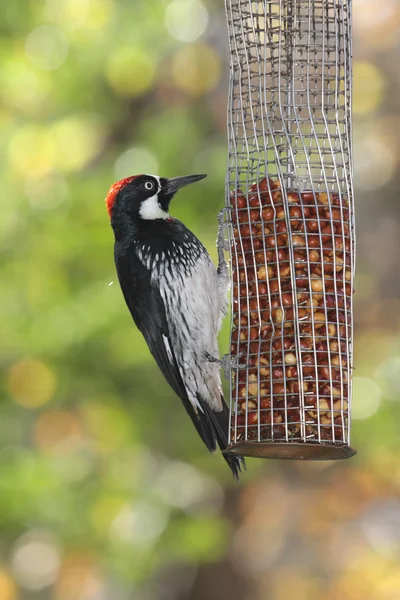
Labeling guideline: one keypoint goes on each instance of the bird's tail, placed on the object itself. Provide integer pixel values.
(219, 422)
(236, 463)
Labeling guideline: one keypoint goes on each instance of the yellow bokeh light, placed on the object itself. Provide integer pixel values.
(389, 586)
(364, 577)
(31, 151)
(105, 510)
(23, 88)
(57, 429)
(137, 159)
(388, 375)
(79, 578)
(46, 47)
(379, 28)
(368, 87)
(77, 141)
(80, 14)
(196, 69)
(130, 71)
(291, 583)
(6, 117)
(31, 383)
(106, 424)
(376, 159)
(69, 144)
(46, 192)
(186, 20)
(8, 589)
(366, 397)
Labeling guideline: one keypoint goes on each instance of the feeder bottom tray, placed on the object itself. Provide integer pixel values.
(292, 450)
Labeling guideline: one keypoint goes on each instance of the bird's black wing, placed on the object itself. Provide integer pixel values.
(148, 312)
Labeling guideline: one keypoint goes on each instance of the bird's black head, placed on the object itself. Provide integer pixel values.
(144, 197)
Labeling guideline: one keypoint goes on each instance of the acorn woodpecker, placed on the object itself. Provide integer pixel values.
(176, 297)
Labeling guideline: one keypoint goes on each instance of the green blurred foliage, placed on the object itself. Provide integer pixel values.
(88, 425)
(104, 485)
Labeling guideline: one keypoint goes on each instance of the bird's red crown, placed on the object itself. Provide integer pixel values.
(114, 190)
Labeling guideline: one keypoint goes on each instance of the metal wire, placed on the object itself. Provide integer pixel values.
(290, 195)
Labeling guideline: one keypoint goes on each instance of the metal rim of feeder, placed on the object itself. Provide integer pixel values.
(289, 129)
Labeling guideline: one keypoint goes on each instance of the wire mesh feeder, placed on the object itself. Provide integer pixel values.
(291, 227)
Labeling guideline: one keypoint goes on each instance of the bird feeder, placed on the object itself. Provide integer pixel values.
(291, 227)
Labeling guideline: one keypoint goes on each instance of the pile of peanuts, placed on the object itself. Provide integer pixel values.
(292, 287)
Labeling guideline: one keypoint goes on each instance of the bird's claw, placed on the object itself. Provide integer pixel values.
(227, 363)
(221, 215)
(212, 359)
(222, 242)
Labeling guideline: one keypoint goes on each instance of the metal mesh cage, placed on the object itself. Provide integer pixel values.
(291, 228)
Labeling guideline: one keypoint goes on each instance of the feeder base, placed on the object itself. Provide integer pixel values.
(292, 451)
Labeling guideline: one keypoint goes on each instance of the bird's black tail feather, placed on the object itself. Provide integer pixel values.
(218, 423)
(236, 463)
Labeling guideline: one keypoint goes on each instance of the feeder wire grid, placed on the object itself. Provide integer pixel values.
(290, 227)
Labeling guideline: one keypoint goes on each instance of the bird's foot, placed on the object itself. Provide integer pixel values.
(222, 242)
(227, 363)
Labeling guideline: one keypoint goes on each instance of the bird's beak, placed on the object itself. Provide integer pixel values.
(173, 185)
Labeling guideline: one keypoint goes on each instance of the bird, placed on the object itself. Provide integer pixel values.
(176, 296)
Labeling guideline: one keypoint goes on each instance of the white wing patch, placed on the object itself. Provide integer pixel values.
(168, 348)
(194, 401)
(191, 396)
(197, 297)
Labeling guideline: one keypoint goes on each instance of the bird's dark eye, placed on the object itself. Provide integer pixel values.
(149, 185)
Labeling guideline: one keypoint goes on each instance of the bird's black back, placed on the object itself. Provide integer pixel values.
(141, 259)
(144, 301)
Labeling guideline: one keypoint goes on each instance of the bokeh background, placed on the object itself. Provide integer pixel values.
(106, 493)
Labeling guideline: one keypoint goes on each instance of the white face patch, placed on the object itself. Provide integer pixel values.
(151, 209)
